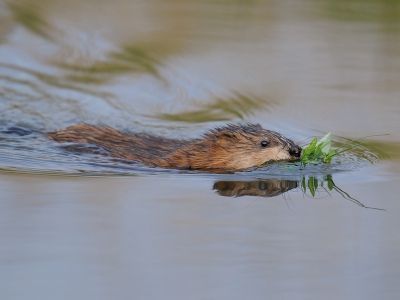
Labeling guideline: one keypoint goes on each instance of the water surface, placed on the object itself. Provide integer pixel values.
(84, 226)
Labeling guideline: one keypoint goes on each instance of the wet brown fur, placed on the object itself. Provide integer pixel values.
(233, 147)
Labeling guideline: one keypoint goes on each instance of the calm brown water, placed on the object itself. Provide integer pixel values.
(80, 226)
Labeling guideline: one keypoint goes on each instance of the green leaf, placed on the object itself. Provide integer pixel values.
(332, 153)
(317, 152)
(328, 158)
(308, 151)
(312, 185)
(330, 183)
(325, 143)
(311, 147)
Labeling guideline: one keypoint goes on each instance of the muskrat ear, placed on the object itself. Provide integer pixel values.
(225, 138)
(222, 133)
(227, 134)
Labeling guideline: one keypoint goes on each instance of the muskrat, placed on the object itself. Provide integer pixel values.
(232, 147)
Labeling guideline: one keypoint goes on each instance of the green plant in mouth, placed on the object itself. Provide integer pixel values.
(321, 150)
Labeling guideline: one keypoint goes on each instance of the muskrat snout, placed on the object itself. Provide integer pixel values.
(295, 151)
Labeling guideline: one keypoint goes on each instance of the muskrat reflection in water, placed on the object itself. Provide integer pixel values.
(232, 147)
(263, 188)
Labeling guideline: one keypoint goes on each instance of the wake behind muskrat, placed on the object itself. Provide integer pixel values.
(232, 147)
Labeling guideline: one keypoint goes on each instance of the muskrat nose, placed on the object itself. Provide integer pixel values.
(295, 151)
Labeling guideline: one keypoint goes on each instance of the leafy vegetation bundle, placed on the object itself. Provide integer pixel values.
(321, 151)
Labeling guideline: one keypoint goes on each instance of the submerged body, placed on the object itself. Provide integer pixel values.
(233, 147)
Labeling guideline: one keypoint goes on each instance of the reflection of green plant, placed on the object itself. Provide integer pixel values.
(30, 16)
(385, 149)
(313, 183)
(51, 81)
(238, 106)
(129, 60)
(364, 10)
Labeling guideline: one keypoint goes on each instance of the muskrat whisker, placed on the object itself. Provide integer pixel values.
(290, 199)
(248, 205)
(304, 141)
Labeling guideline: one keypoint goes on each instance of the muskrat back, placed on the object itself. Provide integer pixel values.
(232, 147)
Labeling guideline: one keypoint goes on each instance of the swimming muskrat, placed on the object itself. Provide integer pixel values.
(232, 147)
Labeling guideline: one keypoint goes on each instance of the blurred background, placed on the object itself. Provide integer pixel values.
(178, 68)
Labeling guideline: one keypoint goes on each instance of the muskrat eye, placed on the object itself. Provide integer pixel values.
(264, 143)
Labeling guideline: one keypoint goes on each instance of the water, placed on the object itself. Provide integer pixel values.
(76, 225)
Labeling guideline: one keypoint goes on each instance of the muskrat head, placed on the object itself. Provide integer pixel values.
(245, 146)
